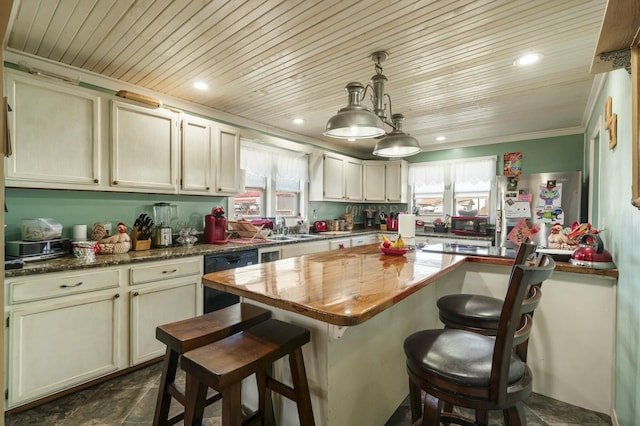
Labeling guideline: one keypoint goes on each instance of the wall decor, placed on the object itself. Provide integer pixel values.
(611, 123)
(635, 121)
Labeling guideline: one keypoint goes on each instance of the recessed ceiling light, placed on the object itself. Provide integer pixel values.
(527, 59)
(200, 85)
(298, 121)
(441, 138)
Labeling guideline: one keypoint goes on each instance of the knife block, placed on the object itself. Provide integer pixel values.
(137, 244)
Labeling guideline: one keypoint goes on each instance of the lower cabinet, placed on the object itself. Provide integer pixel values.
(68, 328)
(54, 346)
(299, 249)
(155, 305)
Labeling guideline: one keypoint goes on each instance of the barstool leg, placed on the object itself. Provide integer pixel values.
(415, 401)
(265, 404)
(232, 405)
(196, 395)
(169, 367)
(301, 386)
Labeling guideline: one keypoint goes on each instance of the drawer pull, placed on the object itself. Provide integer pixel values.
(71, 285)
(170, 272)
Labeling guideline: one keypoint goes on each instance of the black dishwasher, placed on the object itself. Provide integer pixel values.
(214, 299)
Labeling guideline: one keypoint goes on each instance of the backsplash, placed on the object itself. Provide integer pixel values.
(333, 210)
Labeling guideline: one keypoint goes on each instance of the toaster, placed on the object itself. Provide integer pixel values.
(320, 226)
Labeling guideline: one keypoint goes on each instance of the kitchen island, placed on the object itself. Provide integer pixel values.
(360, 305)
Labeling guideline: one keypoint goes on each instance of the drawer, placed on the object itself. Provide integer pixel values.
(62, 284)
(158, 271)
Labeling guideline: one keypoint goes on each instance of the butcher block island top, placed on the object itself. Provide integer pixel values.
(342, 287)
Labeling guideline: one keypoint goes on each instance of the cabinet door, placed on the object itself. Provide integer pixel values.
(339, 243)
(143, 148)
(353, 180)
(374, 181)
(155, 305)
(197, 157)
(299, 249)
(396, 181)
(333, 178)
(55, 346)
(55, 135)
(227, 160)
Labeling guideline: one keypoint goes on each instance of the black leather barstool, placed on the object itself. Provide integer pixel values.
(474, 312)
(183, 336)
(467, 369)
(224, 364)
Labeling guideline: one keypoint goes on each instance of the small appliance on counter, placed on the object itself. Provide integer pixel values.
(392, 221)
(163, 213)
(469, 225)
(215, 227)
(369, 218)
(320, 226)
(30, 251)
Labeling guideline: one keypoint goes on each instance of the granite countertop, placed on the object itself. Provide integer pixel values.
(70, 262)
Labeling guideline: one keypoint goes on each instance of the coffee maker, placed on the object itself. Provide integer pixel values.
(215, 227)
(369, 218)
(163, 213)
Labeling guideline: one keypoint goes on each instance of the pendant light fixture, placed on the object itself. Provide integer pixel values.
(358, 122)
(397, 143)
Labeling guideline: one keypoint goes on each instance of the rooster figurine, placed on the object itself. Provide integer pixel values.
(117, 243)
(557, 239)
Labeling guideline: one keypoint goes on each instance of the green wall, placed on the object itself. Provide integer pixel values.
(547, 155)
(80, 207)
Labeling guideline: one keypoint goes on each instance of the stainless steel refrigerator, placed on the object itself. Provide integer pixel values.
(534, 203)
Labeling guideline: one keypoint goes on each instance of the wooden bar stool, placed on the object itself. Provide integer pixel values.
(224, 364)
(185, 335)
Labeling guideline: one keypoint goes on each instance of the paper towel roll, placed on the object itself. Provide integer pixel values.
(79, 232)
(407, 228)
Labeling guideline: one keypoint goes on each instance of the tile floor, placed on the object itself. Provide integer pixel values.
(130, 400)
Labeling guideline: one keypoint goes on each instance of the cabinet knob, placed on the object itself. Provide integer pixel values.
(115, 182)
(208, 188)
(135, 293)
(115, 296)
(96, 181)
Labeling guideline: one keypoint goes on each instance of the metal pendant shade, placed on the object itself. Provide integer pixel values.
(397, 143)
(355, 121)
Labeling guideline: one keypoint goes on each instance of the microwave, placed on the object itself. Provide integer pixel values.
(469, 225)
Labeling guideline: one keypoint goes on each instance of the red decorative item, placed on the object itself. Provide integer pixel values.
(394, 251)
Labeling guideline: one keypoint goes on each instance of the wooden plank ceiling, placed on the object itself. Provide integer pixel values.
(449, 69)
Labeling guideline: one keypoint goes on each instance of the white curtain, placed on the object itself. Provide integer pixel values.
(425, 174)
(472, 172)
(289, 171)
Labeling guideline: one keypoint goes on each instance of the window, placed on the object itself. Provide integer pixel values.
(275, 183)
(456, 188)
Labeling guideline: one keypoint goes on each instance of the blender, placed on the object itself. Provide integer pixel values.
(163, 213)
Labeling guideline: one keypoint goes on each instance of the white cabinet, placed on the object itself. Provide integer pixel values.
(452, 240)
(210, 160)
(161, 292)
(144, 148)
(339, 243)
(299, 249)
(385, 181)
(56, 138)
(335, 177)
(363, 240)
(227, 148)
(63, 335)
(196, 161)
(68, 328)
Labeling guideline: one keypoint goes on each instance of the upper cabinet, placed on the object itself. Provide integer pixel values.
(144, 148)
(227, 146)
(56, 137)
(210, 158)
(334, 177)
(68, 137)
(385, 181)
